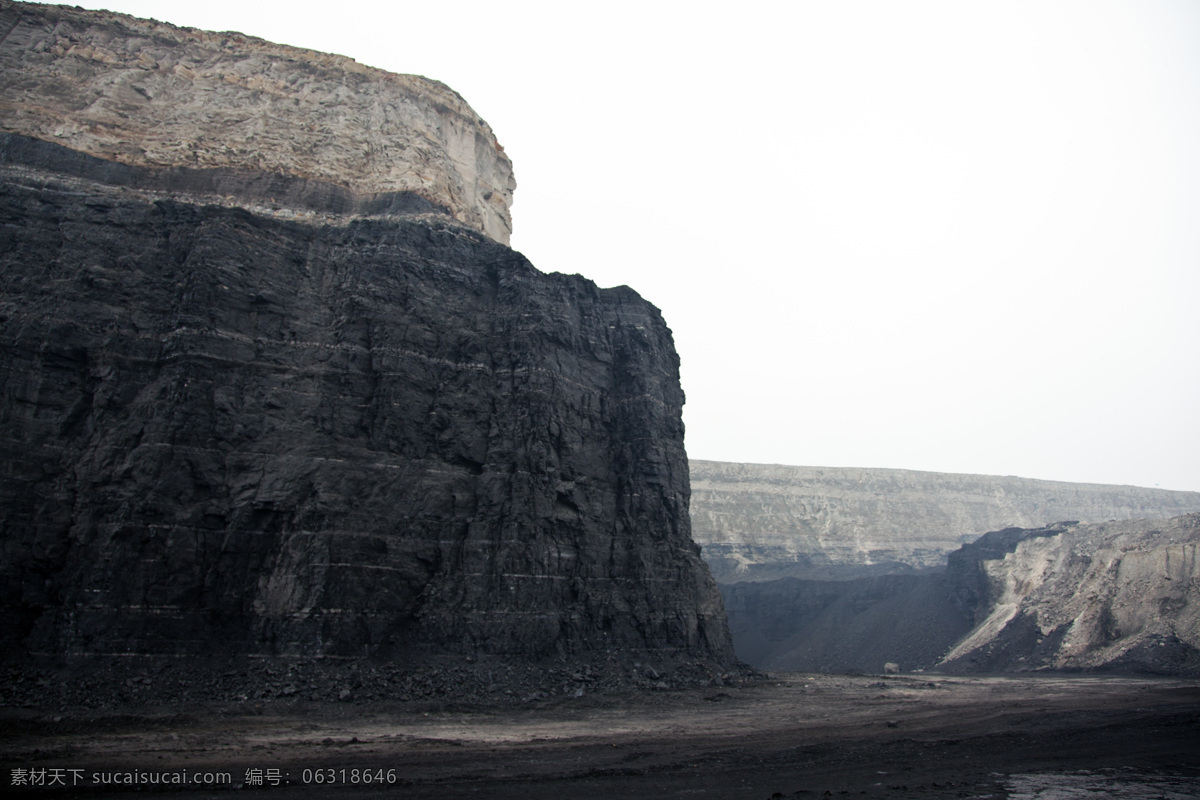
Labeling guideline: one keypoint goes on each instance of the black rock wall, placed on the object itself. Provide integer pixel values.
(230, 432)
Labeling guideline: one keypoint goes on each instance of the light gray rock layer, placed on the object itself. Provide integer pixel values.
(1109, 595)
(1115, 596)
(760, 522)
(145, 93)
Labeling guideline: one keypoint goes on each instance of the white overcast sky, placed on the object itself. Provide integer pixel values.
(953, 236)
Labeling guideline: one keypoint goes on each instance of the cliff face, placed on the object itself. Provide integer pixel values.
(297, 428)
(244, 113)
(760, 522)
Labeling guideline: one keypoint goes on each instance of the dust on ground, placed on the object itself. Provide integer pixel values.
(792, 736)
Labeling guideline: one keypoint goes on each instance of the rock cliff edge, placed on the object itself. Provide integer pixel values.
(228, 114)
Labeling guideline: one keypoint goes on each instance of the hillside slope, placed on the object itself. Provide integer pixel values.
(1119, 596)
(759, 522)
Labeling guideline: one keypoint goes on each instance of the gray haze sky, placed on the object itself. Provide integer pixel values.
(954, 236)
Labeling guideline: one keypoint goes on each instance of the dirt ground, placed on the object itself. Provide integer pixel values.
(795, 736)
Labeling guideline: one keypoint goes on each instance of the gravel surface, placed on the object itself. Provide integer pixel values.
(801, 736)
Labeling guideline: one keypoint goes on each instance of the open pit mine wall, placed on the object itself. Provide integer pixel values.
(1117, 596)
(230, 115)
(237, 427)
(760, 522)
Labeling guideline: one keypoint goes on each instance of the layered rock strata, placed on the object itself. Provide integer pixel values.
(760, 522)
(284, 430)
(234, 115)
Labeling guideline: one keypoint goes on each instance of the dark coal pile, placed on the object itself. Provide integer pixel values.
(114, 683)
(856, 626)
(1114, 597)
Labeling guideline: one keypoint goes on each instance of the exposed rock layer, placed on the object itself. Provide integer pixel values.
(147, 94)
(262, 431)
(1122, 596)
(759, 522)
(1110, 595)
(227, 430)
